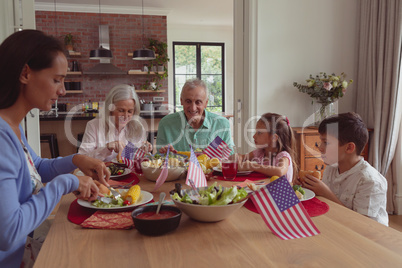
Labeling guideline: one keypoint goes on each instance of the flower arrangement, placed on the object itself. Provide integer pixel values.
(325, 89)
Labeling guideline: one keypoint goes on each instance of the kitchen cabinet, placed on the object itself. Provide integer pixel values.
(308, 142)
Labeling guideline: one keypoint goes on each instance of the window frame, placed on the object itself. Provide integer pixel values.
(198, 46)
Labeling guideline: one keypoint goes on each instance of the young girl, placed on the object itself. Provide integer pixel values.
(276, 148)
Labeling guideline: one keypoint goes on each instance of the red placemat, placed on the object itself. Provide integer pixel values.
(314, 207)
(253, 176)
(78, 214)
(107, 220)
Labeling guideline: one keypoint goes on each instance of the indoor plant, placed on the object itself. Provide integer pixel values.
(325, 90)
(160, 60)
(69, 42)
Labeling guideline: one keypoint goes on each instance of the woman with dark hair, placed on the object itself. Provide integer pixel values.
(117, 124)
(32, 71)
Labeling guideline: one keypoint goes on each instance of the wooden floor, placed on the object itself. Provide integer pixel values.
(395, 221)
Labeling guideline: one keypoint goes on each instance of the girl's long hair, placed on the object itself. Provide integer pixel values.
(279, 125)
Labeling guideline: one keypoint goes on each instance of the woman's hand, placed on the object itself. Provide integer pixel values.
(92, 167)
(115, 146)
(87, 189)
(147, 147)
(163, 150)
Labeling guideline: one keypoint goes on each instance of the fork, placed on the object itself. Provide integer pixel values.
(106, 200)
(115, 193)
(194, 188)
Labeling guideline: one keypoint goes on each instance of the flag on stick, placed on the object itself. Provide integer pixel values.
(129, 153)
(195, 172)
(164, 173)
(282, 211)
(217, 148)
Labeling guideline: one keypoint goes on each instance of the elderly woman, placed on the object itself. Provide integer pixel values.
(117, 124)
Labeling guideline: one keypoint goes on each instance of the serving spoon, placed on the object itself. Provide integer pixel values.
(161, 199)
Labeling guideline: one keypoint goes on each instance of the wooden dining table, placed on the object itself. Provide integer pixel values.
(347, 239)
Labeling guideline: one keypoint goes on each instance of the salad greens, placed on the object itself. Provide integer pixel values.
(298, 188)
(118, 202)
(214, 195)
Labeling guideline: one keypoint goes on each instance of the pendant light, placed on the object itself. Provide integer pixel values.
(101, 52)
(144, 53)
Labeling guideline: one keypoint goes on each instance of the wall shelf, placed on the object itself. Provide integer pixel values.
(74, 91)
(74, 73)
(74, 53)
(130, 54)
(150, 91)
(133, 72)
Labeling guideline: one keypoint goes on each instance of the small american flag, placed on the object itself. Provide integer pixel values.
(282, 211)
(195, 172)
(164, 173)
(216, 148)
(131, 152)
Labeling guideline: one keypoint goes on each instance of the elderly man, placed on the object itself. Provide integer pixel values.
(194, 125)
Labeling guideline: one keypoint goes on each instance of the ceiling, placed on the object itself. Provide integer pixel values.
(179, 12)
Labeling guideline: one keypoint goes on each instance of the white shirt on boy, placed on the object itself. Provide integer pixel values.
(362, 189)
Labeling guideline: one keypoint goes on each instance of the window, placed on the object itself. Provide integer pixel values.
(204, 61)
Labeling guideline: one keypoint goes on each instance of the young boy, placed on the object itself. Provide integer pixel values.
(348, 179)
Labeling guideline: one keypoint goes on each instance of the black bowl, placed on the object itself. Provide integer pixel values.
(156, 227)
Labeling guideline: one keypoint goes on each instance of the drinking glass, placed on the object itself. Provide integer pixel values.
(230, 164)
(137, 165)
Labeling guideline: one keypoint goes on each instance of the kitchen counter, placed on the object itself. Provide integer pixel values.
(68, 127)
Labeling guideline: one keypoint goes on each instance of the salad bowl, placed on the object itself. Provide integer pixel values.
(152, 168)
(174, 173)
(207, 213)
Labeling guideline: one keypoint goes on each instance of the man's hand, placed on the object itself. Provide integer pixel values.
(163, 150)
(92, 167)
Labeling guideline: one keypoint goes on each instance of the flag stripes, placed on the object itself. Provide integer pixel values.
(292, 223)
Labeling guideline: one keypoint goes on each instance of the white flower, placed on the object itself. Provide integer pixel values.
(327, 86)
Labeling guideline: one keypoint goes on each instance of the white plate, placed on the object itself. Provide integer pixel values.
(308, 194)
(116, 177)
(239, 173)
(145, 197)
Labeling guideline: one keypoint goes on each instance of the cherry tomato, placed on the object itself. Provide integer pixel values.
(126, 202)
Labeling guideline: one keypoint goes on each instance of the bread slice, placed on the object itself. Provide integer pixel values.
(315, 173)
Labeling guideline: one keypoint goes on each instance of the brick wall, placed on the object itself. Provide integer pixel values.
(125, 32)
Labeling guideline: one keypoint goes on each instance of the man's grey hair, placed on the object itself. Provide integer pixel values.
(194, 83)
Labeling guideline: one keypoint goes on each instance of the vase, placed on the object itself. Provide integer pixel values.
(322, 111)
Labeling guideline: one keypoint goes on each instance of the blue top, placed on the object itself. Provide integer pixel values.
(175, 130)
(20, 211)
